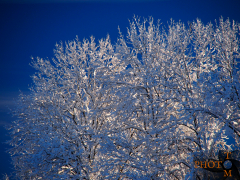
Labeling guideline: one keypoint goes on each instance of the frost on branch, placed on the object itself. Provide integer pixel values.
(144, 108)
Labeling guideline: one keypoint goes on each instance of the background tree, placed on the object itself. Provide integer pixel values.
(145, 108)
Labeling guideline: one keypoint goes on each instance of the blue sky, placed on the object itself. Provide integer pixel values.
(33, 27)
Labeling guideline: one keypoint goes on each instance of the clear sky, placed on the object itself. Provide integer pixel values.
(33, 27)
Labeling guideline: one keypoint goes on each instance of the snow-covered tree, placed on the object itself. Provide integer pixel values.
(144, 108)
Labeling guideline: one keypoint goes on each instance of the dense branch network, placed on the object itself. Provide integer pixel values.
(144, 108)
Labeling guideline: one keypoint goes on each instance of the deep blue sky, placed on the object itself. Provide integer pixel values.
(32, 29)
